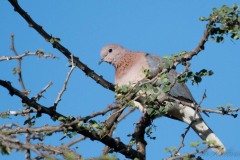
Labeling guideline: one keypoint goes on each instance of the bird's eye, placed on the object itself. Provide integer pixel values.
(110, 50)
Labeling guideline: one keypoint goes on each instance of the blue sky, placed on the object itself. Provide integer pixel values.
(159, 27)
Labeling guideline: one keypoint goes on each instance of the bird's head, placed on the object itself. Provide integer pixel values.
(112, 53)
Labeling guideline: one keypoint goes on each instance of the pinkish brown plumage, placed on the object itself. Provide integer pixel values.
(129, 68)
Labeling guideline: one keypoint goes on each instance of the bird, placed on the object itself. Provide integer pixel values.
(129, 66)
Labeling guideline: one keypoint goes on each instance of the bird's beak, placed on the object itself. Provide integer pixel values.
(101, 61)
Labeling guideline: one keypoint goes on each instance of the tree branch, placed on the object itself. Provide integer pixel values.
(118, 146)
(99, 79)
(65, 84)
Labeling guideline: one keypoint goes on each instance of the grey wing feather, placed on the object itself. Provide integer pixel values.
(179, 90)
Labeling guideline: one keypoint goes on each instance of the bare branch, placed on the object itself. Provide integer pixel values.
(89, 72)
(75, 141)
(39, 95)
(118, 146)
(65, 84)
(132, 109)
(32, 130)
(19, 70)
(41, 149)
(189, 55)
(229, 112)
(109, 108)
(20, 79)
(182, 140)
(139, 133)
(188, 154)
(8, 58)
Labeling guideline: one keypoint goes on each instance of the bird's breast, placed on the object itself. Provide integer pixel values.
(130, 70)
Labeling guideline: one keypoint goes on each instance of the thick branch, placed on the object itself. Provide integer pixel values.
(118, 146)
(139, 133)
(188, 56)
(99, 79)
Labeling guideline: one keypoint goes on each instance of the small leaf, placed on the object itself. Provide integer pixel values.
(40, 52)
(166, 150)
(15, 71)
(203, 19)
(150, 111)
(80, 124)
(166, 88)
(192, 144)
(61, 118)
(173, 148)
(4, 115)
(51, 40)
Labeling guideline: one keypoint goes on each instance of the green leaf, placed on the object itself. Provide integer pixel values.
(166, 150)
(15, 71)
(166, 88)
(5, 150)
(173, 148)
(4, 115)
(236, 36)
(192, 144)
(51, 40)
(80, 124)
(168, 63)
(72, 134)
(28, 121)
(150, 111)
(95, 125)
(131, 104)
(61, 118)
(203, 19)
(50, 158)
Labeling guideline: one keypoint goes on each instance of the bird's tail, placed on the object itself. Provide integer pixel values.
(188, 115)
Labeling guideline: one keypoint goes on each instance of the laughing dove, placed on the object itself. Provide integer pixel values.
(129, 66)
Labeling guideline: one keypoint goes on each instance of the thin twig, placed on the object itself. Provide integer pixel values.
(39, 95)
(65, 84)
(229, 112)
(75, 141)
(8, 58)
(132, 109)
(19, 70)
(16, 113)
(40, 149)
(116, 145)
(182, 140)
(188, 154)
(103, 112)
(20, 79)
